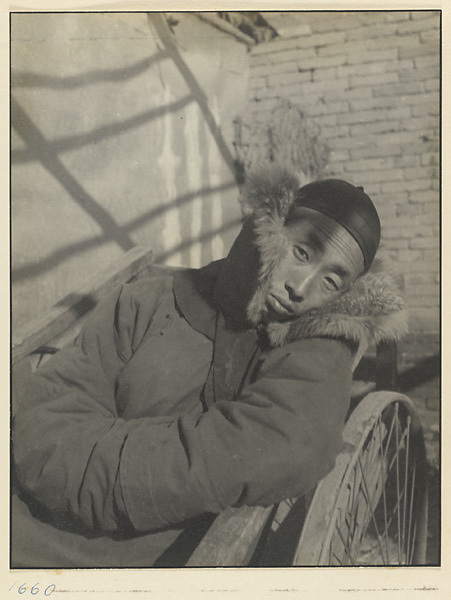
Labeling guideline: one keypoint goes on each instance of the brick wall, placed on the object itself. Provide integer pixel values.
(370, 81)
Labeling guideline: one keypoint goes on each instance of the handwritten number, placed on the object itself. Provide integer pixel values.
(35, 589)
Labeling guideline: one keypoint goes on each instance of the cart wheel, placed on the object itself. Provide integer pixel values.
(372, 508)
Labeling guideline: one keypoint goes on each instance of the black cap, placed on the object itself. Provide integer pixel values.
(349, 206)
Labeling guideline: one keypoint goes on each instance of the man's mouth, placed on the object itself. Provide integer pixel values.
(279, 305)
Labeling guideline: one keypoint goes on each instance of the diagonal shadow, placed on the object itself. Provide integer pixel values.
(29, 79)
(34, 269)
(208, 235)
(163, 31)
(83, 139)
(43, 152)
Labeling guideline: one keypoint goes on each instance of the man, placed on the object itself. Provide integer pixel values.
(190, 392)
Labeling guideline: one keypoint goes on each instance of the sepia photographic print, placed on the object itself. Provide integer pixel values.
(225, 275)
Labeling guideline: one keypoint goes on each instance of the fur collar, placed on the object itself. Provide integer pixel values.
(372, 310)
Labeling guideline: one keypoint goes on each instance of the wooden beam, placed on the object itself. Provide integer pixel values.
(232, 538)
(71, 308)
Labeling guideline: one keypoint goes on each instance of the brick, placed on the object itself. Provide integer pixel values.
(417, 50)
(371, 55)
(329, 133)
(277, 91)
(259, 60)
(272, 69)
(423, 196)
(307, 41)
(355, 19)
(257, 82)
(427, 61)
(374, 103)
(316, 62)
(409, 255)
(417, 173)
(406, 161)
(420, 98)
(374, 80)
(413, 265)
(377, 127)
(375, 115)
(424, 14)
(288, 30)
(423, 74)
(363, 33)
(297, 56)
(393, 187)
(393, 176)
(432, 36)
(399, 89)
(267, 104)
(430, 158)
(322, 74)
(348, 94)
(431, 255)
(321, 24)
(422, 124)
(396, 16)
(371, 68)
(424, 243)
(395, 42)
(329, 120)
(276, 45)
(425, 298)
(411, 142)
(375, 164)
(337, 107)
(395, 244)
(339, 156)
(415, 185)
(321, 40)
(422, 110)
(318, 87)
(433, 85)
(288, 78)
(372, 150)
(419, 278)
(419, 25)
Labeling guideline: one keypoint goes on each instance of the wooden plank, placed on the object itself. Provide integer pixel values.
(386, 366)
(71, 308)
(232, 538)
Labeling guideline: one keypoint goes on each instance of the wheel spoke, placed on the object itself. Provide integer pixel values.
(384, 479)
(365, 487)
(409, 545)
(406, 478)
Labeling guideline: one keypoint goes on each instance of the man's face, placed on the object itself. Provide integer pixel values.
(321, 261)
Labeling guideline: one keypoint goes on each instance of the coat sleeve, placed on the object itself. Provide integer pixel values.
(77, 457)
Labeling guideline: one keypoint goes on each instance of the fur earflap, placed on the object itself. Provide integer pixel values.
(371, 311)
(270, 192)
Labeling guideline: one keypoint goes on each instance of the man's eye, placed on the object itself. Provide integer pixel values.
(300, 254)
(331, 284)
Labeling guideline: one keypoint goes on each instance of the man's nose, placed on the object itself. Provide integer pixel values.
(298, 286)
